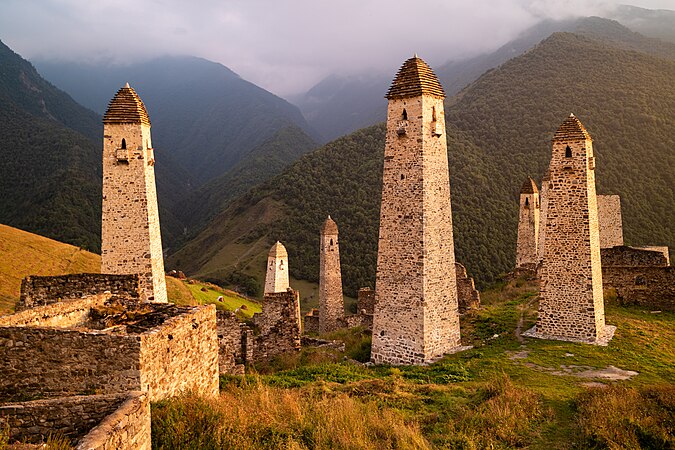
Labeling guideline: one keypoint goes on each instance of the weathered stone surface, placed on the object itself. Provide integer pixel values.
(651, 287)
(130, 234)
(416, 316)
(571, 303)
(527, 254)
(609, 218)
(39, 291)
(276, 279)
(310, 322)
(231, 343)
(624, 256)
(468, 296)
(61, 314)
(279, 325)
(331, 303)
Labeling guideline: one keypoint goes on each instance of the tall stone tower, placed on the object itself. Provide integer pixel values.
(571, 306)
(416, 318)
(276, 279)
(130, 234)
(528, 226)
(331, 303)
(543, 207)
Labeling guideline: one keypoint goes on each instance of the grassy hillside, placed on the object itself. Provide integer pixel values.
(506, 392)
(498, 132)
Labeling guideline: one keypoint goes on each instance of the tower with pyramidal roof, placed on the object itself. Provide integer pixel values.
(276, 279)
(571, 305)
(130, 234)
(528, 226)
(416, 318)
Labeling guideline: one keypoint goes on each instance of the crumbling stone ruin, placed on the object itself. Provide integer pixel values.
(640, 276)
(331, 303)
(468, 297)
(527, 255)
(276, 330)
(130, 236)
(276, 279)
(416, 318)
(571, 305)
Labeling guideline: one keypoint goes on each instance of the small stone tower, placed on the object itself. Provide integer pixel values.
(416, 318)
(528, 226)
(130, 235)
(571, 306)
(277, 270)
(543, 207)
(331, 303)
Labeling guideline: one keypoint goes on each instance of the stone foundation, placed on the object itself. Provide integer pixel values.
(39, 291)
(112, 421)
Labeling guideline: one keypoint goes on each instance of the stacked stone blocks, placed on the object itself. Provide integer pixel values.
(331, 303)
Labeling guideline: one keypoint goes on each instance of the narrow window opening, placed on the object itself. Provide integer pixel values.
(124, 143)
(404, 116)
(402, 177)
(331, 242)
(568, 152)
(433, 114)
(527, 201)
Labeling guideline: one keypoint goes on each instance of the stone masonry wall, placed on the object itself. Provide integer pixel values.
(33, 421)
(651, 287)
(38, 291)
(60, 315)
(181, 355)
(130, 232)
(416, 316)
(528, 231)
(310, 323)
(609, 218)
(468, 296)
(365, 303)
(127, 428)
(279, 324)
(623, 256)
(331, 303)
(571, 305)
(231, 340)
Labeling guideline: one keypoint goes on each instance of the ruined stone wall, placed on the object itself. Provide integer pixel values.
(38, 291)
(571, 305)
(365, 302)
(60, 315)
(47, 362)
(416, 316)
(310, 322)
(658, 248)
(623, 256)
(33, 421)
(331, 302)
(651, 287)
(231, 341)
(130, 234)
(279, 325)
(127, 428)
(468, 296)
(181, 355)
(609, 218)
(528, 230)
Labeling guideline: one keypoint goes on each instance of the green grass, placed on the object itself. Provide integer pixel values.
(207, 293)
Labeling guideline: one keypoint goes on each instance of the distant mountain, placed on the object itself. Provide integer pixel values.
(203, 114)
(50, 175)
(499, 131)
(339, 105)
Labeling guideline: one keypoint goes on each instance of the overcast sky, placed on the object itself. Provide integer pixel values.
(284, 46)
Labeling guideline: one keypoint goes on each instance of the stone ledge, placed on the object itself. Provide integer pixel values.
(602, 341)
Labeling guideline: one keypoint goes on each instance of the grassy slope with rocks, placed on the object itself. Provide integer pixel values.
(498, 132)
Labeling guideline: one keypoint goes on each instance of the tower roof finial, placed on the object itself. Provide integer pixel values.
(127, 85)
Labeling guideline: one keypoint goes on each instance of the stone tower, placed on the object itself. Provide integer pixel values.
(571, 306)
(130, 235)
(331, 303)
(277, 270)
(528, 226)
(416, 318)
(543, 207)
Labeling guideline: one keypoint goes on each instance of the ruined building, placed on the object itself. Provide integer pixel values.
(571, 305)
(331, 303)
(130, 235)
(276, 279)
(528, 226)
(416, 319)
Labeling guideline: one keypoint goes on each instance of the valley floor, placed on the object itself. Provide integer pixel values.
(506, 392)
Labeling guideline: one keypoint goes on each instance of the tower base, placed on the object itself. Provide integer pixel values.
(603, 340)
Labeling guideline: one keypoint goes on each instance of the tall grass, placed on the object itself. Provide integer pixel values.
(621, 417)
(257, 416)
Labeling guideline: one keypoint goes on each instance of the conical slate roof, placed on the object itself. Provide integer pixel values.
(529, 187)
(329, 227)
(126, 107)
(571, 130)
(278, 251)
(413, 79)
